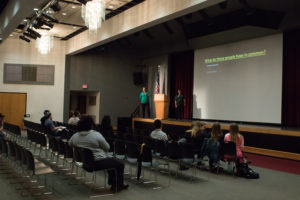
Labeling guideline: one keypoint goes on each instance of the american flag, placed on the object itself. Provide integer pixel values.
(157, 82)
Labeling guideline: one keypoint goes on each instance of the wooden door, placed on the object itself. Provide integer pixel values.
(13, 106)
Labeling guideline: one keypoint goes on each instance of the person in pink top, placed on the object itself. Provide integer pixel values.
(237, 138)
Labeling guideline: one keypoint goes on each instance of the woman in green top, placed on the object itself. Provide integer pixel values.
(179, 105)
(144, 96)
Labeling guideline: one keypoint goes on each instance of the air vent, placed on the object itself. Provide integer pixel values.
(29, 74)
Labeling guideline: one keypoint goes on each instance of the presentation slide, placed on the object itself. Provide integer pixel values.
(240, 81)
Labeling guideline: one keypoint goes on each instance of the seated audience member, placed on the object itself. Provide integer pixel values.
(74, 119)
(213, 145)
(93, 140)
(2, 136)
(158, 134)
(47, 122)
(237, 138)
(105, 128)
(196, 135)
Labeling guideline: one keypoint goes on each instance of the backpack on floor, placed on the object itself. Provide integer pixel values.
(243, 170)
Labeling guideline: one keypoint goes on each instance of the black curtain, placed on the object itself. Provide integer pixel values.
(182, 77)
(291, 79)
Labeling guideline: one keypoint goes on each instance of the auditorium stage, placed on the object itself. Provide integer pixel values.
(263, 140)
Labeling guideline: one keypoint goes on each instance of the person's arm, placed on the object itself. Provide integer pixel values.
(175, 104)
(102, 143)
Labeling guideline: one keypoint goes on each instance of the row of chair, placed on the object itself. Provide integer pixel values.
(21, 160)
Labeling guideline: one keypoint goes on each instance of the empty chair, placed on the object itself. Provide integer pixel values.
(120, 148)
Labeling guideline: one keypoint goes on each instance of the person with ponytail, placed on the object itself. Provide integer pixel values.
(237, 138)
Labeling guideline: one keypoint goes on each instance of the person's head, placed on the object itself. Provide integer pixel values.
(196, 127)
(106, 122)
(76, 114)
(216, 131)
(179, 91)
(85, 124)
(144, 89)
(234, 132)
(47, 114)
(157, 124)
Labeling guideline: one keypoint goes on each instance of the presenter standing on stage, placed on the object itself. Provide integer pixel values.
(144, 96)
(179, 105)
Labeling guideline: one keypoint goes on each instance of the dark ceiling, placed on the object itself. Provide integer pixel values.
(230, 15)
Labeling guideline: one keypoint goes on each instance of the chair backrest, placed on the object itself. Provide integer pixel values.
(229, 148)
(68, 151)
(29, 161)
(160, 147)
(43, 139)
(147, 153)
(174, 150)
(76, 154)
(11, 149)
(4, 147)
(132, 149)
(17, 151)
(187, 150)
(120, 144)
(88, 162)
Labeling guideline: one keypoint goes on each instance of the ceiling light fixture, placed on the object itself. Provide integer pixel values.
(36, 9)
(64, 13)
(45, 43)
(73, 6)
(11, 35)
(93, 13)
(111, 7)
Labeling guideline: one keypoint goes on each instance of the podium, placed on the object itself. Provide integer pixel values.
(162, 103)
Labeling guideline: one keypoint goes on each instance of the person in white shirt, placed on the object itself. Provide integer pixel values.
(93, 140)
(74, 119)
(158, 134)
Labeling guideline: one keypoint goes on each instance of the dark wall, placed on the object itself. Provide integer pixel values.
(111, 73)
(291, 79)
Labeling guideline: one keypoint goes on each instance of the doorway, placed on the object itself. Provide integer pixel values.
(86, 103)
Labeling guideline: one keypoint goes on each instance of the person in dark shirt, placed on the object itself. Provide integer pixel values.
(179, 105)
(47, 122)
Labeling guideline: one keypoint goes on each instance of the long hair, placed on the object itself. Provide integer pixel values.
(216, 131)
(195, 128)
(106, 122)
(234, 132)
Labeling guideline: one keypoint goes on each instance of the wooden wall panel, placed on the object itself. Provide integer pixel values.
(13, 106)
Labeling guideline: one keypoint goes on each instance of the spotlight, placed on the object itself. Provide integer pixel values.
(29, 35)
(51, 18)
(55, 6)
(24, 38)
(33, 32)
